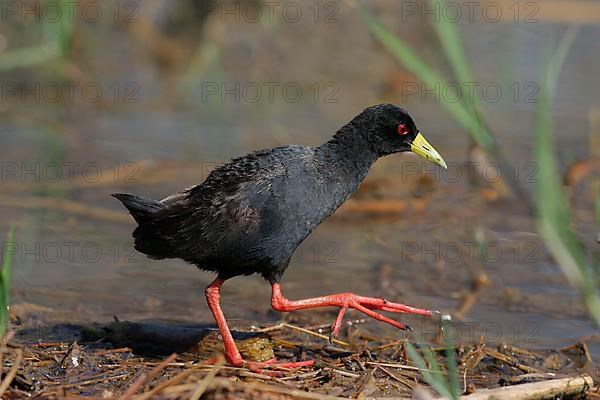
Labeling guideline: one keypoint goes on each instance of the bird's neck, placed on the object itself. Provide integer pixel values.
(348, 155)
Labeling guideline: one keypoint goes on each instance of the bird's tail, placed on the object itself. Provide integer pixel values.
(140, 208)
(148, 237)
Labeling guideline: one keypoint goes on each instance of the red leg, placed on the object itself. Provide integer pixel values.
(232, 354)
(365, 305)
(213, 294)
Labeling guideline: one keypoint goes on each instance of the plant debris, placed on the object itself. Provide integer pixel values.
(99, 365)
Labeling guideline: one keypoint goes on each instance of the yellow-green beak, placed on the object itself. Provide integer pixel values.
(422, 147)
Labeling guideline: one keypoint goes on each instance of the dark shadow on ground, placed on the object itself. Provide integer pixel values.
(147, 338)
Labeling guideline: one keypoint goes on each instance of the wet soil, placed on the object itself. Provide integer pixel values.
(137, 360)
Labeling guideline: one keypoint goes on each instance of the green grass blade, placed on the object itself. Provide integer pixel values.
(64, 29)
(598, 206)
(6, 274)
(411, 61)
(401, 51)
(436, 371)
(438, 375)
(553, 213)
(26, 57)
(56, 43)
(552, 207)
(450, 361)
(452, 45)
(434, 378)
(560, 56)
(5, 282)
(454, 50)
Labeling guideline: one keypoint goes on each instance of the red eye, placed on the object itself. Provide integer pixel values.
(402, 129)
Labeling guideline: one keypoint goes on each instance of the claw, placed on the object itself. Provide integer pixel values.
(331, 338)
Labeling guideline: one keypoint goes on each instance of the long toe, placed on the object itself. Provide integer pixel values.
(276, 369)
(385, 305)
(379, 317)
(401, 308)
(337, 325)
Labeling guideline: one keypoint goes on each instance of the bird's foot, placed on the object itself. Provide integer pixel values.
(366, 305)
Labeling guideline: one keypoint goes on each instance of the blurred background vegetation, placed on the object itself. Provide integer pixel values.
(147, 97)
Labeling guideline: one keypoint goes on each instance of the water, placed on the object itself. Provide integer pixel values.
(74, 253)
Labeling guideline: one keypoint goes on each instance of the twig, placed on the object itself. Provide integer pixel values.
(112, 351)
(399, 366)
(480, 282)
(270, 328)
(207, 380)
(161, 386)
(341, 372)
(511, 361)
(141, 381)
(557, 388)
(582, 347)
(388, 345)
(12, 373)
(59, 386)
(292, 393)
(306, 375)
(406, 382)
(309, 332)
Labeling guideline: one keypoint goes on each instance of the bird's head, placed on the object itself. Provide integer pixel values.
(390, 129)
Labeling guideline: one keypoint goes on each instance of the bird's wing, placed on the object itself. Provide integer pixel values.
(237, 205)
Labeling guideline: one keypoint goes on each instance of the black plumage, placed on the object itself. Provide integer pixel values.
(251, 214)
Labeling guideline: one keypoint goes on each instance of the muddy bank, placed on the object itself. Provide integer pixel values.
(152, 359)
